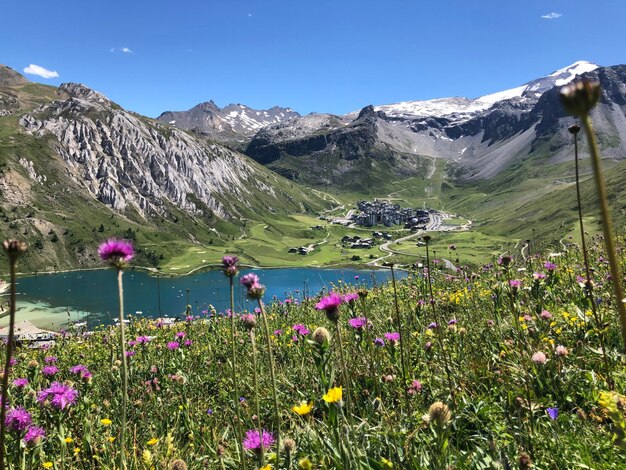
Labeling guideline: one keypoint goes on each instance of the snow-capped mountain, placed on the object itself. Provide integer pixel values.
(462, 109)
(479, 137)
(233, 122)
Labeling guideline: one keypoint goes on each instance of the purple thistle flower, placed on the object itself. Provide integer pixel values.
(49, 371)
(142, 339)
(379, 342)
(432, 326)
(301, 329)
(392, 337)
(549, 266)
(330, 304)
(357, 323)
(116, 251)
(255, 441)
(181, 334)
(351, 297)
(230, 265)
(515, 284)
(553, 413)
(249, 280)
(20, 382)
(59, 395)
(50, 359)
(17, 419)
(34, 436)
(173, 345)
(79, 369)
(130, 353)
(453, 321)
(278, 332)
(188, 342)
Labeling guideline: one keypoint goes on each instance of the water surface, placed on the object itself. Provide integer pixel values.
(53, 300)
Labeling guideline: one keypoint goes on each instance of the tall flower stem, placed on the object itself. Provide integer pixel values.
(344, 369)
(439, 320)
(589, 285)
(120, 288)
(402, 339)
(270, 357)
(606, 224)
(234, 373)
(9, 352)
(256, 394)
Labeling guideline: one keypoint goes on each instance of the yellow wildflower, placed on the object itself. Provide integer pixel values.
(334, 395)
(76, 450)
(48, 465)
(110, 438)
(303, 408)
(106, 421)
(152, 441)
(266, 467)
(68, 440)
(386, 463)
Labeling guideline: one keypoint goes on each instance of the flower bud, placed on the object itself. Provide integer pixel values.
(578, 98)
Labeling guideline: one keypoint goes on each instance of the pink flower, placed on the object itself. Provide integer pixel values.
(254, 441)
(539, 358)
(58, 395)
(249, 280)
(116, 251)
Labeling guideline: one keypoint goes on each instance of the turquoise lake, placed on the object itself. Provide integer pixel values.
(54, 300)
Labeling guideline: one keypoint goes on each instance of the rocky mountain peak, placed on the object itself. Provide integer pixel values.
(9, 77)
(80, 91)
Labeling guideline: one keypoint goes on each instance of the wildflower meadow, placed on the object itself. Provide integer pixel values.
(518, 363)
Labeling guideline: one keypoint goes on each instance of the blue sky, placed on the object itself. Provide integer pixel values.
(314, 56)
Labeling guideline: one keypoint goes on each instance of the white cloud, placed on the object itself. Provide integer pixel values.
(551, 16)
(125, 50)
(38, 70)
(249, 14)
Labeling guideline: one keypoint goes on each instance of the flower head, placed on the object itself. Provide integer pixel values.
(334, 395)
(553, 412)
(539, 358)
(321, 336)
(393, 337)
(230, 265)
(20, 382)
(249, 280)
(439, 413)
(580, 96)
(357, 323)
(34, 436)
(330, 304)
(351, 297)
(17, 419)
(59, 395)
(303, 408)
(116, 252)
(256, 441)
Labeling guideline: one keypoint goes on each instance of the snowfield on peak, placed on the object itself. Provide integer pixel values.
(459, 109)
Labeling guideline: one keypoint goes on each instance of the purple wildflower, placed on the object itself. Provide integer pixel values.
(181, 334)
(432, 326)
(188, 343)
(301, 329)
(553, 413)
(549, 266)
(50, 359)
(539, 276)
(393, 337)
(357, 323)
(130, 353)
(515, 284)
(142, 339)
(34, 436)
(539, 358)
(330, 304)
(379, 342)
(452, 322)
(116, 251)
(230, 265)
(249, 280)
(59, 395)
(20, 382)
(278, 332)
(17, 419)
(49, 371)
(255, 441)
(545, 315)
(173, 345)
(78, 369)
(351, 297)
